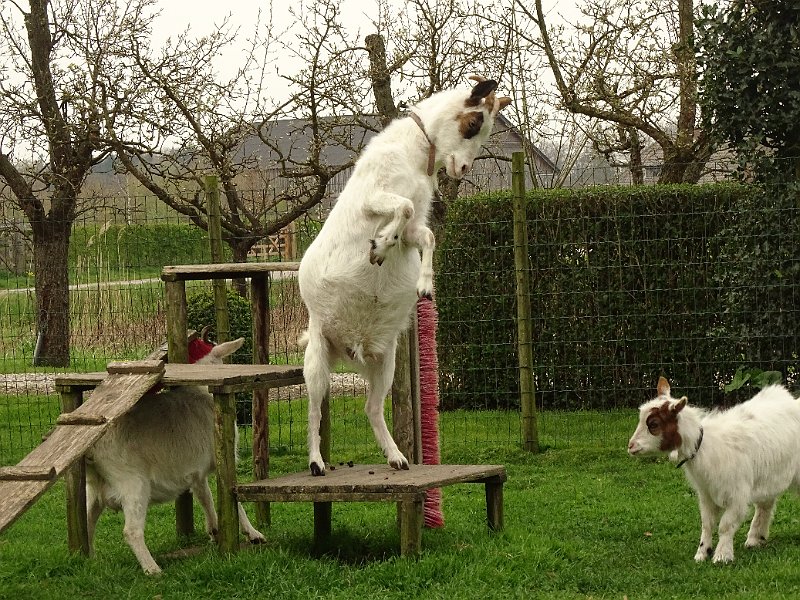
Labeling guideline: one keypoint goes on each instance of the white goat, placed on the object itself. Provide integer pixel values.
(161, 448)
(748, 454)
(361, 276)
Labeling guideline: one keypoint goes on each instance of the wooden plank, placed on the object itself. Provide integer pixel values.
(344, 483)
(135, 366)
(17, 497)
(322, 500)
(223, 270)
(30, 473)
(266, 376)
(80, 419)
(116, 395)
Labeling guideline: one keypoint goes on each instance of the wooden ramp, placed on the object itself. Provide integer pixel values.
(74, 434)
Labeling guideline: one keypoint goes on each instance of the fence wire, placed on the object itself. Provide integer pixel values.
(117, 313)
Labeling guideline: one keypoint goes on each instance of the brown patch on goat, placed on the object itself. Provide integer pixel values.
(663, 422)
(469, 124)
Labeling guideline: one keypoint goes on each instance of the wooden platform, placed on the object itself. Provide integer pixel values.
(371, 483)
(226, 378)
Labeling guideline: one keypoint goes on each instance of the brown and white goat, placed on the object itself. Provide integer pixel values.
(161, 448)
(748, 454)
(362, 275)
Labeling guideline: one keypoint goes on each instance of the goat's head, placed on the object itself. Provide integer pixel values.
(657, 430)
(458, 122)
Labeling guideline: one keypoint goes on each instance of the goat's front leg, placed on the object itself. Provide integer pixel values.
(728, 526)
(709, 513)
(420, 236)
(399, 210)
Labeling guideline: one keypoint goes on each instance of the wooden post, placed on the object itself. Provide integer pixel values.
(224, 428)
(494, 503)
(178, 352)
(175, 295)
(75, 482)
(215, 238)
(323, 511)
(402, 399)
(530, 433)
(411, 519)
(259, 298)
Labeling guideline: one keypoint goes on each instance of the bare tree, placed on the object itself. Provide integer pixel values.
(51, 122)
(630, 67)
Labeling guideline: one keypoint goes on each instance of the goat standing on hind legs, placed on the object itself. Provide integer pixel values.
(361, 277)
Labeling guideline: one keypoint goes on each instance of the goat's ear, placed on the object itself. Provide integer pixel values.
(480, 91)
(680, 405)
(227, 348)
(504, 101)
(663, 388)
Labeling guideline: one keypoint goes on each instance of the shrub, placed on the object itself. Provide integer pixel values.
(627, 284)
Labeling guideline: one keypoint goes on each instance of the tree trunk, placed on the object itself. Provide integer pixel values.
(239, 251)
(50, 254)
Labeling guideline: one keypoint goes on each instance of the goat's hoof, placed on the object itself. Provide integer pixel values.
(399, 464)
(316, 470)
(425, 294)
(258, 539)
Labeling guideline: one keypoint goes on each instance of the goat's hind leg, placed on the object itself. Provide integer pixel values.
(379, 376)
(134, 507)
(316, 372)
(759, 526)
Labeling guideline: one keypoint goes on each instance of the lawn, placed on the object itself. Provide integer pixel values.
(583, 520)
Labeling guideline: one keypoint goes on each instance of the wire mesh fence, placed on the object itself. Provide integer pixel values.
(619, 295)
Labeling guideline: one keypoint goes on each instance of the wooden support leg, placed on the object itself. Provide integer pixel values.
(323, 511)
(323, 517)
(75, 481)
(224, 431)
(178, 352)
(411, 519)
(494, 503)
(259, 298)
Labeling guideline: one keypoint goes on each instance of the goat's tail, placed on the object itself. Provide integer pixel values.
(302, 339)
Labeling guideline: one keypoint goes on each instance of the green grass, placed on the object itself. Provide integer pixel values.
(582, 521)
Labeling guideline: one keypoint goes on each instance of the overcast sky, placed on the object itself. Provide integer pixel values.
(202, 15)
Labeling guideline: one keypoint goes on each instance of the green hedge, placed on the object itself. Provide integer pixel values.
(628, 283)
(119, 247)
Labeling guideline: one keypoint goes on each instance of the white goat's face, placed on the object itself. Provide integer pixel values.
(657, 430)
(461, 122)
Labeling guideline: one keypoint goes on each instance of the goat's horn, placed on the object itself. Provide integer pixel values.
(477, 78)
(204, 333)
